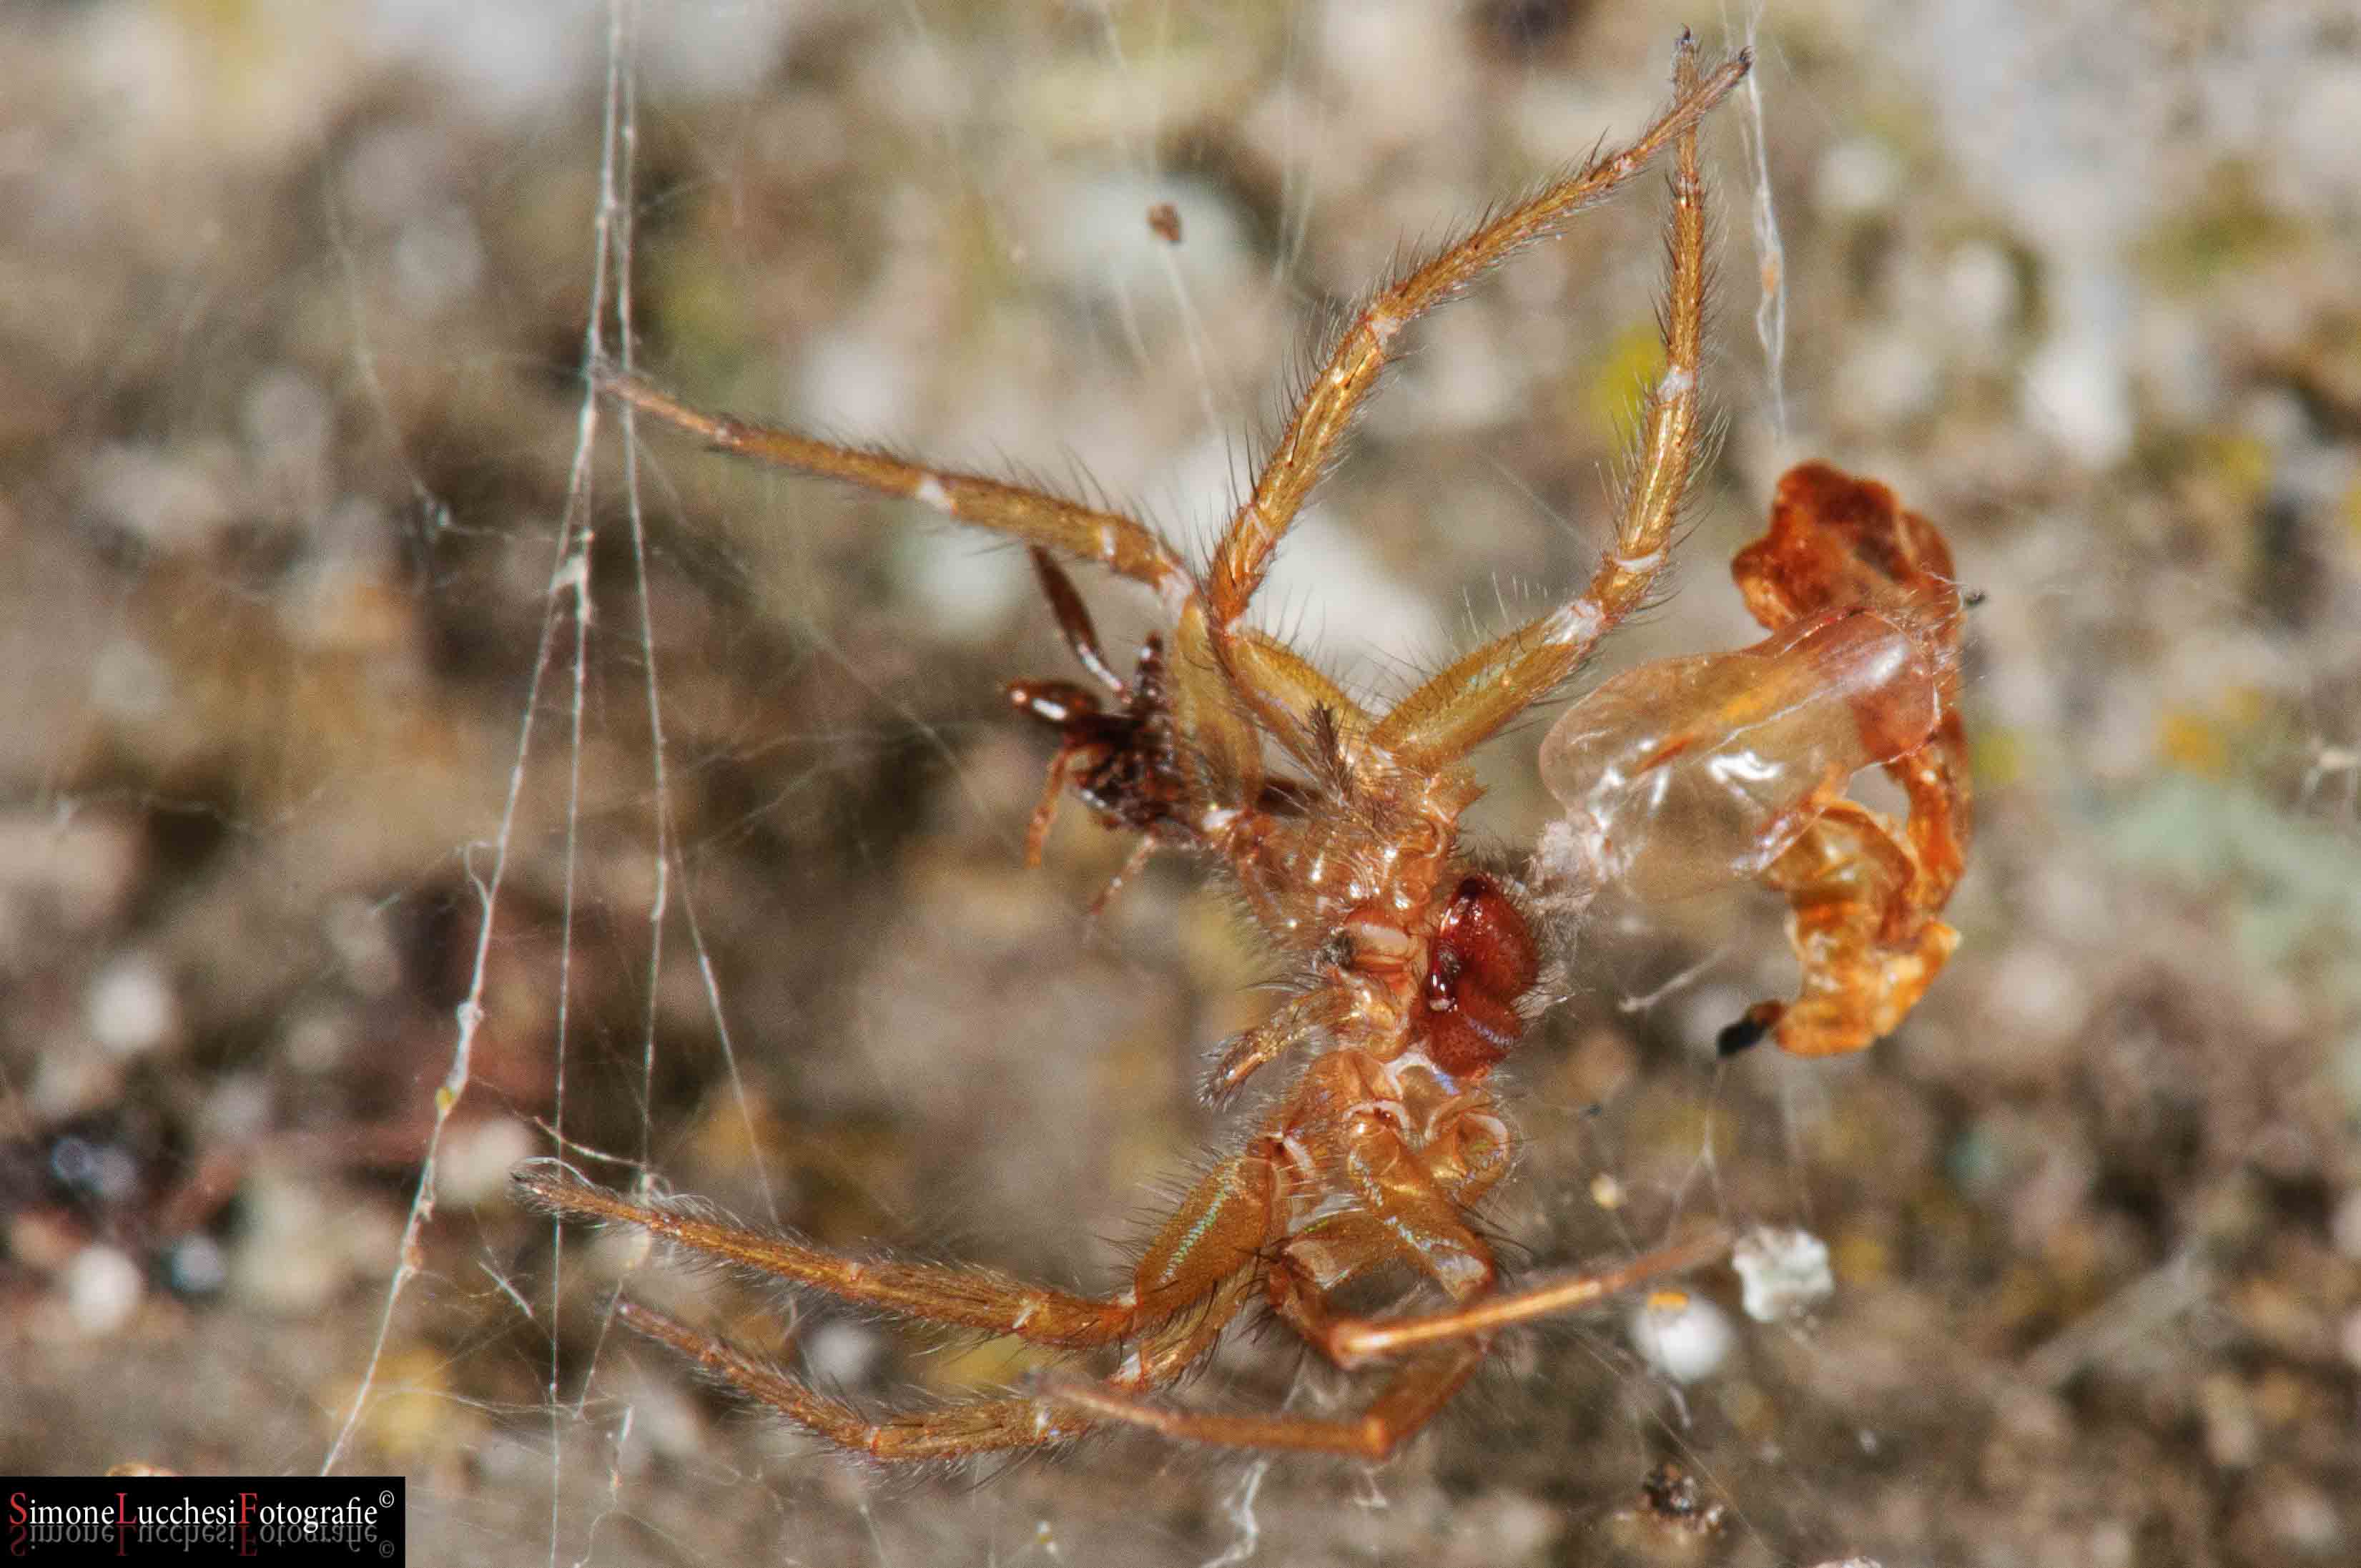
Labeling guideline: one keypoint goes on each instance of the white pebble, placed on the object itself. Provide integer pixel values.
(168, 498)
(129, 1008)
(1980, 289)
(1683, 1336)
(1856, 177)
(1785, 1273)
(103, 1288)
(2077, 391)
(477, 1159)
(841, 1355)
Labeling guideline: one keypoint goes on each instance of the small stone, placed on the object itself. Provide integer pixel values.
(841, 1355)
(1784, 1273)
(102, 1288)
(476, 1159)
(1980, 289)
(1683, 1336)
(2304, 1519)
(287, 1257)
(130, 1009)
(1856, 177)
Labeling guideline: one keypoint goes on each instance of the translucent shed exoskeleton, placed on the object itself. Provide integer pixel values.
(1688, 772)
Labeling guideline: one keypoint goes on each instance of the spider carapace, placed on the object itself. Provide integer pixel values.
(1417, 969)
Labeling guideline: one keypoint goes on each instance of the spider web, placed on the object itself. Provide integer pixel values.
(555, 789)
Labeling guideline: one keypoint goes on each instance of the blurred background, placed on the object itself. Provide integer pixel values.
(295, 699)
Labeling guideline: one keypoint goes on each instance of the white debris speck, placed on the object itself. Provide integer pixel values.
(1784, 1273)
(1857, 178)
(1981, 296)
(129, 1008)
(2077, 389)
(841, 1355)
(77, 868)
(170, 499)
(2304, 1520)
(477, 1159)
(103, 1288)
(292, 1253)
(1683, 1336)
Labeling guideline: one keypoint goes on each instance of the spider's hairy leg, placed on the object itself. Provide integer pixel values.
(1462, 705)
(951, 1432)
(1197, 1275)
(1122, 545)
(1297, 687)
(1224, 746)
(1073, 620)
(956, 1430)
(1401, 1213)
(1447, 1349)
(1408, 1400)
(1216, 1235)
(1322, 419)
(1074, 713)
(1355, 1342)
(937, 1293)
(1045, 810)
(1243, 1054)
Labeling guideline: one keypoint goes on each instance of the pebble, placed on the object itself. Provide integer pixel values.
(130, 1009)
(1683, 1336)
(103, 1290)
(1784, 1272)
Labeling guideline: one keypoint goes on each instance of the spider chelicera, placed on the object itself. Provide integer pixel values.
(1417, 969)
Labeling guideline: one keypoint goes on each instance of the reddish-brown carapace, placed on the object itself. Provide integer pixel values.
(1417, 969)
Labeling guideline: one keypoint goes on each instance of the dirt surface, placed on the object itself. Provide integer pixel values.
(290, 342)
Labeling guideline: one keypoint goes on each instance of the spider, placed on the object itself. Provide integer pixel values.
(1418, 968)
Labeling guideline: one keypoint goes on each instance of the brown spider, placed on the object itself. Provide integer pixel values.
(1418, 969)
